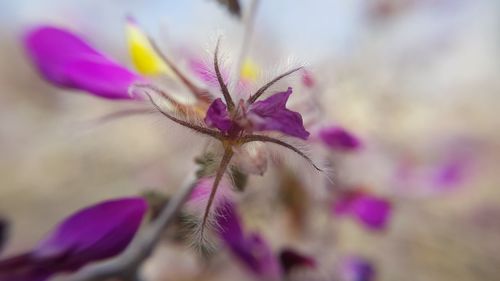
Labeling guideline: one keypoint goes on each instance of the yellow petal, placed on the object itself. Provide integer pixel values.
(249, 70)
(143, 55)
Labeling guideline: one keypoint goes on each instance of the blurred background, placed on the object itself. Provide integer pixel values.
(417, 80)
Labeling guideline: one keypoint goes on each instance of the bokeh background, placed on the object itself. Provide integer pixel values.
(418, 80)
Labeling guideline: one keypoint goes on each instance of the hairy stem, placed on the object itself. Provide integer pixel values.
(196, 128)
(123, 113)
(197, 92)
(263, 89)
(226, 158)
(220, 79)
(252, 138)
(180, 107)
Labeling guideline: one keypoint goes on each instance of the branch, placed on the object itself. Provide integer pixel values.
(128, 263)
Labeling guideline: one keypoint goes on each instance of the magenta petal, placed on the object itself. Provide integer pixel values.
(252, 251)
(66, 60)
(218, 116)
(373, 212)
(271, 114)
(449, 174)
(338, 138)
(94, 233)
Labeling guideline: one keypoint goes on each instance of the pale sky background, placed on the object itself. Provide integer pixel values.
(307, 28)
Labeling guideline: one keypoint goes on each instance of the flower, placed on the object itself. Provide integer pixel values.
(68, 61)
(91, 234)
(270, 114)
(373, 212)
(144, 57)
(338, 138)
(253, 251)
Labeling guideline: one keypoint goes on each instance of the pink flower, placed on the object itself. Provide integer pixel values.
(338, 138)
(68, 61)
(372, 211)
(270, 114)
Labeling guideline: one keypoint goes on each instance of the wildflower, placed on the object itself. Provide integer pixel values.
(308, 79)
(373, 212)
(67, 61)
(94, 233)
(338, 138)
(79, 66)
(253, 251)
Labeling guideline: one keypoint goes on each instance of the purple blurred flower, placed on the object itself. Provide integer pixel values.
(308, 79)
(355, 268)
(66, 60)
(338, 138)
(270, 114)
(251, 250)
(373, 212)
(291, 259)
(94, 233)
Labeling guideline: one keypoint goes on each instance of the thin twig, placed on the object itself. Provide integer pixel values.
(127, 264)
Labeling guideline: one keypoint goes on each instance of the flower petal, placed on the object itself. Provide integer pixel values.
(143, 55)
(373, 212)
(198, 198)
(218, 116)
(230, 228)
(338, 138)
(249, 70)
(252, 251)
(271, 114)
(308, 79)
(66, 60)
(94, 233)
